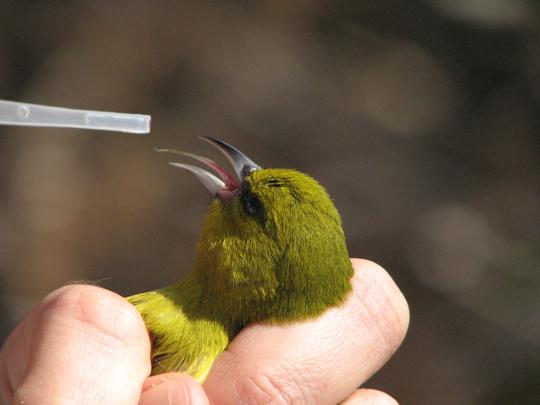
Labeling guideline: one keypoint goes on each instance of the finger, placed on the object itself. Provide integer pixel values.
(366, 396)
(82, 344)
(316, 361)
(172, 389)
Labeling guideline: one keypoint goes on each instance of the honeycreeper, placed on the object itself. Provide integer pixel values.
(272, 249)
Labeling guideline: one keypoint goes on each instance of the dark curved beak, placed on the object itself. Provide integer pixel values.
(241, 163)
(226, 185)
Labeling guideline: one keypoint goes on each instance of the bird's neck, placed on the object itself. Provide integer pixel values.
(289, 298)
(197, 302)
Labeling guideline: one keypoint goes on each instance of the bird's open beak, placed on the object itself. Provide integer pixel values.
(226, 186)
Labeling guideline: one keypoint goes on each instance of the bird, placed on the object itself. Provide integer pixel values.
(271, 249)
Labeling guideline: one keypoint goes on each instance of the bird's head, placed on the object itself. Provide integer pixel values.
(272, 245)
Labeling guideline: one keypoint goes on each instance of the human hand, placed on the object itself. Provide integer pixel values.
(86, 345)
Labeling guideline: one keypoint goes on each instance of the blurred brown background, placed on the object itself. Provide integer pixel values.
(421, 118)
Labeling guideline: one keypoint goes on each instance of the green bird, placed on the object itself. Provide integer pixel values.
(272, 249)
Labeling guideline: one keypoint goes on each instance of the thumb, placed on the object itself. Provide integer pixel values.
(79, 345)
(172, 389)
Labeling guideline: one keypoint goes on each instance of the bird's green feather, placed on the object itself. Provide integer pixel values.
(276, 252)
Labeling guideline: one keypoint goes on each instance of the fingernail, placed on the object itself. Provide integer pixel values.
(194, 391)
(177, 389)
(364, 396)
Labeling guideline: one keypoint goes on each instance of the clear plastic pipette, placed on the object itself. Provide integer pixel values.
(17, 113)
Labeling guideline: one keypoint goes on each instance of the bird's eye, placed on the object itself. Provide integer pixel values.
(252, 205)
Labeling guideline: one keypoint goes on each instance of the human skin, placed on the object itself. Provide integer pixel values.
(86, 345)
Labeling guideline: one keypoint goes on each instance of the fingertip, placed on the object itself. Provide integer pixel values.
(90, 337)
(366, 396)
(372, 276)
(103, 309)
(172, 389)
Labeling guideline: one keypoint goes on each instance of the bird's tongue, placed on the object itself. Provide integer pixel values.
(231, 183)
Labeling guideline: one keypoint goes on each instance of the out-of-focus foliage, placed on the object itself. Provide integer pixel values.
(420, 117)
